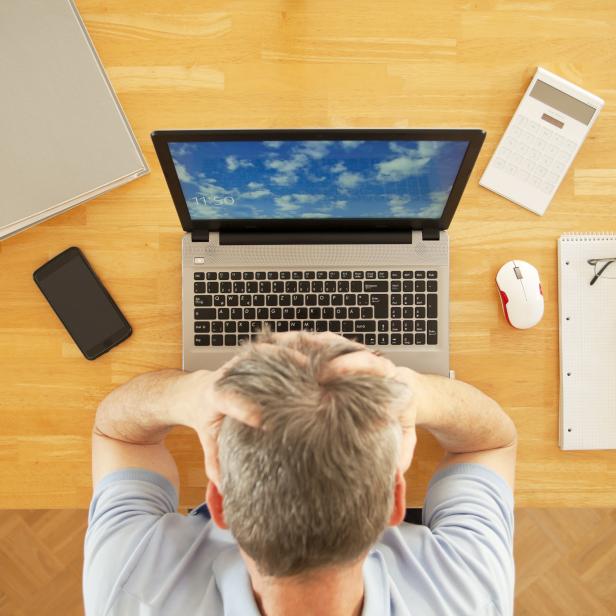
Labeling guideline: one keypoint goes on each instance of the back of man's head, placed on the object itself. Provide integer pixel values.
(313, 487)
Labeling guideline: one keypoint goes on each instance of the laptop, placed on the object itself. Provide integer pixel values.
(318, 230)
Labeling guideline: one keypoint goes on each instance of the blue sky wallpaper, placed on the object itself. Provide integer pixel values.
(317, 179)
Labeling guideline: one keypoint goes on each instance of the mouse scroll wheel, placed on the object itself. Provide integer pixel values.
(518, 273)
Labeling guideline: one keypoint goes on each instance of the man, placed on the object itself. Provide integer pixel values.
(306, 439)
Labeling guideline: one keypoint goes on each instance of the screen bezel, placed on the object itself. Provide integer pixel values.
(161, 139)
(109, 340)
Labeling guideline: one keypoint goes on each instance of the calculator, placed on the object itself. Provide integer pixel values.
(542, 139)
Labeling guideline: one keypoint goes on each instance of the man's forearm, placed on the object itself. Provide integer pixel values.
(147, 407)
(462, 418)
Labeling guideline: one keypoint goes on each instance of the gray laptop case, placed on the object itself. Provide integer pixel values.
(64, 136)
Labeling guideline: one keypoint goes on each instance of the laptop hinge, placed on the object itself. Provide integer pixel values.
(315, 237)
(200, 235)
(430, 234)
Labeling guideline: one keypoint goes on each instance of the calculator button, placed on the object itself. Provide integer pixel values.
(533, 126)
(540, 171)
(515, 132)
(552, 177)
(528, 165)
(563, 156)
(546, 133)
(545, 161)
(535, 181)
(551, 150)
(540, 145)
(523, 149)
(558, 167)
(504, 152)
(533, 154)
(510, 168)
(522, 175)
(516, 159)
(569, 145)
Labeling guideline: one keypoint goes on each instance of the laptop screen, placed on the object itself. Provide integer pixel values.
(292, 180)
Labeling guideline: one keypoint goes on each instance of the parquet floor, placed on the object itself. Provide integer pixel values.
(566, 562)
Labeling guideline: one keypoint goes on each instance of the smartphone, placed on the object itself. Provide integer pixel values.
(82, 303)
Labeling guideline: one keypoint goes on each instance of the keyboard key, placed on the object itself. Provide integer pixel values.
(383, 326)
(376, 286)
(350, 299)
(250, 314)
(248, 275)
(316, 286)
(260, 275)
(217, 340)
(382, 275)
(314, 313)
(432, 286)
(282, 326)
(370, 339)
(420, 286)
(354, 312)
(255, 327)
(327, 313)
(396, 286)
(296, 275)
(345, 275)
(202, 327)
(199, 275)
(203, 300)
(199, 287)
(323, 299)
(364, 326)
(343, 286)
(363, 299)
(420, 338)
(407, 312)
(395, 275)
(408, 286)
(321, 326)
(236, 275)
(252, 286)
(432, 334)
(407, 325)
(432, 274)
(347, 326)
(356, 286)
(236, 313)
(309, 275)
(222, 314)
(232, 300)
(383, 339)
(271, 300)
(420, 299)
(212, 287)
(202, 340)
(245, 300)
(303, 287)
(275, 313)
(334, 326)
(337, 299)
(242, 338)
(367, 312)
(420, 326)
(420, 312)
(262, 313)
(407, 299)
(395, 326)
(223, 275)
(211, 276)
(395, 299)
(290, 286)
(230, 327)
(239, 287)
(308, 326)
(333, 275)
(380, 303)
(396, 339)
(396, 312)
(226, 287)
(340, 312)
(205, 314)
(295, 326)
(407, 339)
(265, 286)
(278, 286)
(288, 313)
(420, 274)
(370, 275)
(243, 327)
(258, 300)
(217, 327)
(321, 275)
(357, 337)
(301, 313)
(407, 274)
(330, 286)
(358, 275)
(432, 306)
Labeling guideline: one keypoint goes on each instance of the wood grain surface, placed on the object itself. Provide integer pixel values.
(277, 64)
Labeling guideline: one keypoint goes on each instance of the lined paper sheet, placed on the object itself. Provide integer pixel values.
(587, 316)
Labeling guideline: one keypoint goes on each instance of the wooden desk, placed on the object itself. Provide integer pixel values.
(263, 64)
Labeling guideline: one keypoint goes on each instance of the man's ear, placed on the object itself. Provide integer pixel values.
(215, 504)
(399, 510)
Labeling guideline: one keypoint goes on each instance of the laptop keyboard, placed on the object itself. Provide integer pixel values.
(374, 307)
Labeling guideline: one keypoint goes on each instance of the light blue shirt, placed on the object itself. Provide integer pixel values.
(143, 558)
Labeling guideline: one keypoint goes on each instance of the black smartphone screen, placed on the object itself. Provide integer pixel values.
(82, 303)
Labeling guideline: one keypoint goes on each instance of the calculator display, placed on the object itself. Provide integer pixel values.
(564, 103)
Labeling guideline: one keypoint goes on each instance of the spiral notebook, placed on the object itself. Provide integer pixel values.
(587, 316)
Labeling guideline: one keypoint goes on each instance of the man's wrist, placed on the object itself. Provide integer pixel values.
(190, 398)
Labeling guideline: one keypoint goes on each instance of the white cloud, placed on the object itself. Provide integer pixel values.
(254, 185)
(233, 163)
(314, 215)
(397, 206)
(256, 194)
(419, 149)
(398, 200)
(400, 168)
(284, 204)
(272, 144)
(340, 204)
(293, 202)
(183, 174)
(182, 149)
(351, 145)
(348, 180)
(438, 199)
(339, 167)
(314, 149)
(286, 170)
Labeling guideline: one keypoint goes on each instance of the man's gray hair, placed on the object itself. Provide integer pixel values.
(313, 487)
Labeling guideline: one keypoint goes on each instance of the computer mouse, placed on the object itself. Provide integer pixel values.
(521, 293)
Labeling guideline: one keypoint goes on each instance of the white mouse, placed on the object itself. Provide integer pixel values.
(521, 294)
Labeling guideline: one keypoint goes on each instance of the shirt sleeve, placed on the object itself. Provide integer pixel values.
(469, 509)
(125, 509)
